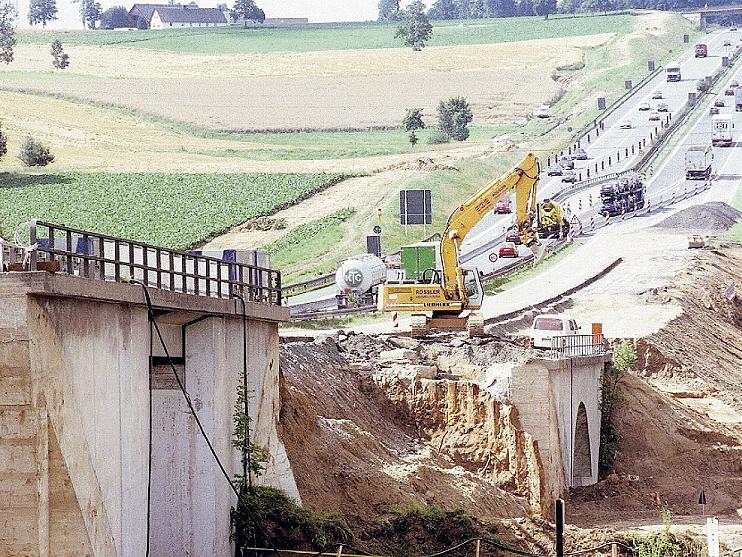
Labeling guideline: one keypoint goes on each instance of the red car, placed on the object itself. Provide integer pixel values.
(508, 249)
(513, 238)
(503, 207)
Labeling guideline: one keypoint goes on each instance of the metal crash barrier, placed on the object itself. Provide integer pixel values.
(571, 346)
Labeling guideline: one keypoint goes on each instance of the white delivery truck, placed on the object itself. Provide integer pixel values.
(738, 99)
(698, 159)
(722, 130)
(672, 70)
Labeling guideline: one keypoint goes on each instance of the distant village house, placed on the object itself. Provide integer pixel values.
(166, 16)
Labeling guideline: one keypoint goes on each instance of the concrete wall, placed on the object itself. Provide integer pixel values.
(74, 419)
(549, 395)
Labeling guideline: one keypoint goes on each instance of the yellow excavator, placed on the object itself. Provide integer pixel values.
(453, 289)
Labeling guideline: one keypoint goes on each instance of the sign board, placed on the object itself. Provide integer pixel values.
(650, 65)
(373, 245)
(712, 536)
(377, 229)
(493, 257)
(627, 84)
(415, 207)
(686, 38)
(601, 103)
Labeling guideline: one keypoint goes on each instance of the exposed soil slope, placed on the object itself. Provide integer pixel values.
(680, 419)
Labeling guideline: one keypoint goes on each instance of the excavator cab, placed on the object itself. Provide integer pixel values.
(473, 288)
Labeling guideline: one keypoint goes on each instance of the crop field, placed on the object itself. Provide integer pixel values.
(169, 210)
(341, 36)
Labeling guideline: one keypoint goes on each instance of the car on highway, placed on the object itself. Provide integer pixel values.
(727, 43)
(554, 170)
(662, 107)
(714, 110)
(625, 125)
(719, 102)
(508, 249)
(729, 92)
(732, 28)
(644, 106)
(513, 237)
(655, 116)
(566, 162)
(734, 84)
(569, 176)
(503, 207)
(657, 94)
(579, 154)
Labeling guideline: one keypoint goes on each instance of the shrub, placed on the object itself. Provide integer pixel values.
(3, 144)
(35, 153)
(438, 137)
(60, 59)
(454, 115)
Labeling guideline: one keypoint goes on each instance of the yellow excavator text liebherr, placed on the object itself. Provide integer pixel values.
(448, 291)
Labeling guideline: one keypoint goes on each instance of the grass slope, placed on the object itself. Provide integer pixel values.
(308, 38)
(169, 210)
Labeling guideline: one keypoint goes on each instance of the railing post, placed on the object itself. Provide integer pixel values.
(478, 548)
(33, 239)
(559, 508)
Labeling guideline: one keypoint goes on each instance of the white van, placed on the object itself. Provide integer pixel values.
(546, 327)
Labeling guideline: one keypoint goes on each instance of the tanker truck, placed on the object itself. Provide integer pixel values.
(358, 279)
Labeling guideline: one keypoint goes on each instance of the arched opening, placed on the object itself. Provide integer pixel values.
(582, 470)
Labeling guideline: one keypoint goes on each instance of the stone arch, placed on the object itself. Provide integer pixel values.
(582, 469)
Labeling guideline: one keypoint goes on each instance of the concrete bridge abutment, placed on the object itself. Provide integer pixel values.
(75, 391)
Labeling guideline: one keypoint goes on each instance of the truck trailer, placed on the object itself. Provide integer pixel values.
(698, 159)
(738, 99)
(722, 126)
(672, 71)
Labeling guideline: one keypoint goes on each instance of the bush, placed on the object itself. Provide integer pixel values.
(438, 137)
(35, 153)
(454, 115)
(3, 144)
(60, 60)
(115, 18)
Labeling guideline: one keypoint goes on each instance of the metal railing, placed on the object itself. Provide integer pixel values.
(571, 346)
(96, 256)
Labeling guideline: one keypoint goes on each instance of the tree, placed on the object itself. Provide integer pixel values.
(413, 120)
(415, 28)
(7, 31)
(42, 11)
(90, 12)
(444, 9)
(115, 18)
(3, 143)
(544, 7)
(35, 153)
(247, 10)
(60, 59)
(388, 10)
(454, 115)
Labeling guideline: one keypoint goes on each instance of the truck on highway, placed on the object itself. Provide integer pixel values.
(722, 126)
(672, 71)
(357, 280)
(698, 159)
(701, 50)
(738, 99)
(623, 195)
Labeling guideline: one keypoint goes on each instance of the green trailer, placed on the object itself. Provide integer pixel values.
(417, 258)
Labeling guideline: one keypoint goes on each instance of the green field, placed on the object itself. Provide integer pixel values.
(235, 40)
(169, 210)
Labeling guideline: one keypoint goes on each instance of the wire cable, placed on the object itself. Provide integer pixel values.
(187, 397)
(246, 452)
(149, 463)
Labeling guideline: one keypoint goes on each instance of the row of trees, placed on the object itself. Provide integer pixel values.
(389, 10)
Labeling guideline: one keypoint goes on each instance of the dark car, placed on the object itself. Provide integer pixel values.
(579, 154)
(503, 207)
(554, 170)
(719, 102)
(714, 110)
(508, 249)
(655, 116)
(513, 237)
(729, 92)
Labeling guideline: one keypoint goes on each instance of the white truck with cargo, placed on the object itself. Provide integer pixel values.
(722, 126)
(698, 161)
(738, 99)
(672, 71)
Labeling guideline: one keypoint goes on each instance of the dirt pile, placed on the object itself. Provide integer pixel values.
(680, 418)
(715, 216)
(373, 424)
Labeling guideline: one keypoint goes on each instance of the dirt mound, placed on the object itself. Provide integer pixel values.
(715, 216)
(373, 424)
(680, 416)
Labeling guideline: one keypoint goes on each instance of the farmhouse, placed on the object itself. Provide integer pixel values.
(162, 16)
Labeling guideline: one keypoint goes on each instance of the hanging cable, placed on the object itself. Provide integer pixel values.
(240, 499)
(246, 449)
(149, 463)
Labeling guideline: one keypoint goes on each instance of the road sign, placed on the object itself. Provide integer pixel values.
(493, 257)
(415, 207)
(373, 245)
(377, 229)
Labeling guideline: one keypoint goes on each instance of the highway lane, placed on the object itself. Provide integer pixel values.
(613, 139)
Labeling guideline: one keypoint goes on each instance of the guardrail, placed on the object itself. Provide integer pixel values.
(571, 346)
(96, 256)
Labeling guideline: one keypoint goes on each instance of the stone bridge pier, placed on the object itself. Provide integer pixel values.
(558, 402)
